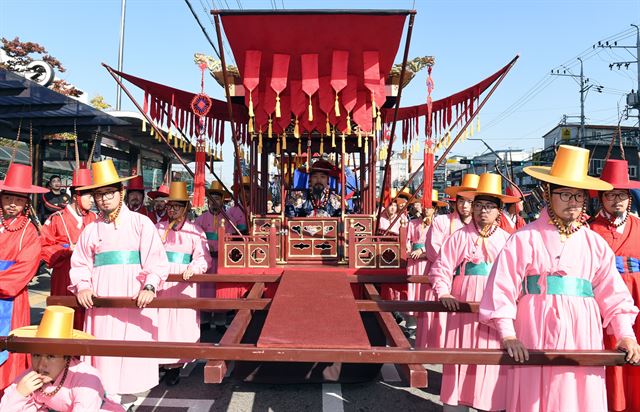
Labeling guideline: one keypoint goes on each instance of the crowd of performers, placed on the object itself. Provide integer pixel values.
(565, 281)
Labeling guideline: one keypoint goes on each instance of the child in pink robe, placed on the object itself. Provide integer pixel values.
(432, 325)
(132, 235)
(81, 391)
(186, 249)
(478, 386)
(533, 260)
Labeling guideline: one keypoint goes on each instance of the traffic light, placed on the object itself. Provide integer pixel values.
(466, 161)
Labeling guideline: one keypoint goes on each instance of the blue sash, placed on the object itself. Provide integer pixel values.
(6, 312)
(212, 235)
(626, 264)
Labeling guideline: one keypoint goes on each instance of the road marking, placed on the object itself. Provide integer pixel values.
(241, 401)
(390, 373)
(192, 405)
(332, 400)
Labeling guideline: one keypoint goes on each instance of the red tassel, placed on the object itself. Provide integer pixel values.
(199, 178)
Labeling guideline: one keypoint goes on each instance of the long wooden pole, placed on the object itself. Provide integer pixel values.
(247, 352)
(234, 130)
(405, 57)
(443, 156)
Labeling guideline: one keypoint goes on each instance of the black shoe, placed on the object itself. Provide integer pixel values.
(172, 377)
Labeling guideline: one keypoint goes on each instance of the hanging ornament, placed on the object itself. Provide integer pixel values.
(251, 79)
(200, 106)
(279, 72)
(310, 80)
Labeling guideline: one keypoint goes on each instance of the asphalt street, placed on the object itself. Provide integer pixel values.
(385, 393)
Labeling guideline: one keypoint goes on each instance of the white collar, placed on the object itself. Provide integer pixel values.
(75, 215)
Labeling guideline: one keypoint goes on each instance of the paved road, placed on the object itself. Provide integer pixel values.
(387, 393)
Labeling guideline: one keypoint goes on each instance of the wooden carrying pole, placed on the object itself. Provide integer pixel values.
(248, 352)
(443, 156)
(387, 164)
(234, 130)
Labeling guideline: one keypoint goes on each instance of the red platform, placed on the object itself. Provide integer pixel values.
(314, 310)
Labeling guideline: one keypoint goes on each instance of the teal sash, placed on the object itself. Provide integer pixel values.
(475, 269)
(117, 257)
(177, 257)
(212, 235)
(242, 227)
(417, 246)
(559, 285)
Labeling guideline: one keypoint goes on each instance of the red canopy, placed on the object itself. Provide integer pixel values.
(298, 33)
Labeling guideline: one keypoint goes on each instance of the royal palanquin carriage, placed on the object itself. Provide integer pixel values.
(309, 82)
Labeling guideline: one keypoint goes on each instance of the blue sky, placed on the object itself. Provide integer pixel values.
(469, 38)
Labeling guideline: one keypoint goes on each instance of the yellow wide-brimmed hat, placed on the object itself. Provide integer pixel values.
(570, 168)
(56, 323)
(434, 199)
(216, 187)
(104, 174)
(490, 184)
(178, 192)
(404, 195)
(469, 182)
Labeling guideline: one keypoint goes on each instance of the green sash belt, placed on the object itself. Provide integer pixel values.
(242, 227)
(475, 269)
(417, 246)
(212, 235)
(117, 257)
(559, 285)
(177, 257)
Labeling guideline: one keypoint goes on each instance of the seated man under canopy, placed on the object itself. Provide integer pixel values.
(318, 200)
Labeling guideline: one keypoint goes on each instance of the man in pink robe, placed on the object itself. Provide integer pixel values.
(120, 254)
(555, 286)
(188, 254)
(431, 327)
(460, 274)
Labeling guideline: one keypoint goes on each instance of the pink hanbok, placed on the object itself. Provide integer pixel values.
(186, 248)
(557, 295)
(462, 270)
(385, 223)
(238, 218)
(416, 240)
(431, 325)
(210, 224)
(117, 260)
(81, 391)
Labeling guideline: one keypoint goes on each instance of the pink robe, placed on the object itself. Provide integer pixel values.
(237, 217)
(210, 224)
(81, 391)
(478, 386)
(432, 325)
(182, 325)
(385, 223)
(547, 321)
(133, 232)
(417, 239)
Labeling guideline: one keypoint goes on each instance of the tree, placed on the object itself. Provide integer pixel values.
(97, 102)
(20, 54)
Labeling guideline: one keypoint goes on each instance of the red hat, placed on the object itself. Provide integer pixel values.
(81, 177)
(616, 172)
(136, 184)
(18, 180)
(163, 191)
(324, 166)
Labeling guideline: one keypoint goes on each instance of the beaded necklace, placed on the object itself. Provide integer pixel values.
(57, 389)
(565, 230)
(111, 217)
(323, 200)
(484, 233)
(14, 228)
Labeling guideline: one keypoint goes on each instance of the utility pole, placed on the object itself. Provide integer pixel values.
(584, 88)
(123, 10)
(633, 98)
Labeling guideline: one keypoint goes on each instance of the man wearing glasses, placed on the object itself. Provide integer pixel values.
(555, 286)
(460, 274)
(621, 230)
(441, 228)
(120, 254)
